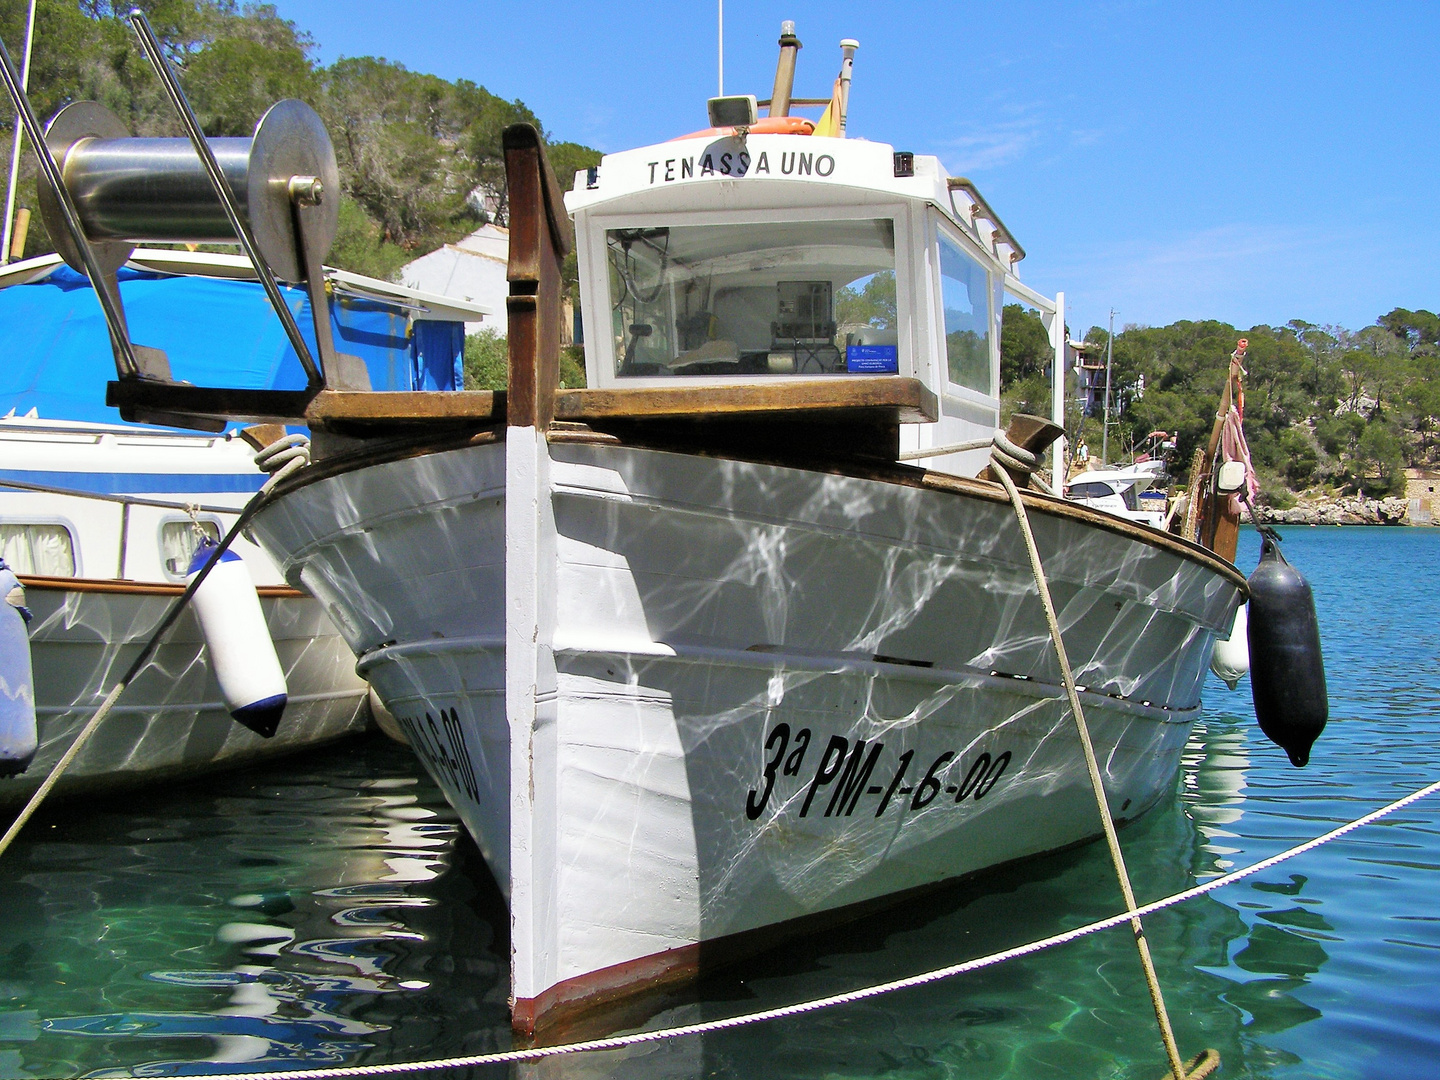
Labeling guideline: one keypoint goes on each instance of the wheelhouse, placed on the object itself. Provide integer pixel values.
(734, 258)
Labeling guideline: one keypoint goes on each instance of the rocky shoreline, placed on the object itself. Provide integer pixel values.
(1346, 510)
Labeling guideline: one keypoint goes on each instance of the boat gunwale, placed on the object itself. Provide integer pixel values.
(48, 583)
(425, 443)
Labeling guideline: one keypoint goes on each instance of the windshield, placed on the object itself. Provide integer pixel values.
(779, 298)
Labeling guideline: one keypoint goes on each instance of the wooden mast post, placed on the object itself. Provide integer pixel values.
(1219, 528)
(539, 240)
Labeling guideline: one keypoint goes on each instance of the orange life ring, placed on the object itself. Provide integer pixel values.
(767, 125)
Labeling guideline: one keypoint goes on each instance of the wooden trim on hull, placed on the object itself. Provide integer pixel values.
(625, 995)
(139, 588)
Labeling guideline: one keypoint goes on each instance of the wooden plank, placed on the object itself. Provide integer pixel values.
(393, 408)
(902, 400)
(205, 408)
(539, 239)
(137, 588)
(884, 397)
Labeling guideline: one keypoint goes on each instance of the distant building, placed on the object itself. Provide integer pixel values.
(472, 269)
(1421, 500)
(1090, 377)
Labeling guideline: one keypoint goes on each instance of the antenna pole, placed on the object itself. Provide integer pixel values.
(785, 70)
(1105, 435)
(847, 65)
(15, 152)
(721, 43)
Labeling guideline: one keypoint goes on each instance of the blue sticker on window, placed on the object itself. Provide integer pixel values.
(873, 359)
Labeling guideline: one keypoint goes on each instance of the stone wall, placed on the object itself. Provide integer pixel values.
(1346, 510)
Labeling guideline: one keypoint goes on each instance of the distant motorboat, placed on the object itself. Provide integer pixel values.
(1127, 491)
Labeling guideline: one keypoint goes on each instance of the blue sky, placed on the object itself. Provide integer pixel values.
(1253, 162)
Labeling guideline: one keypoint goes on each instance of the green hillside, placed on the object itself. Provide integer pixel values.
(417, 153)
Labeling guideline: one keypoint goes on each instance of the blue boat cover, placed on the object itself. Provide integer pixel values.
(216, 331)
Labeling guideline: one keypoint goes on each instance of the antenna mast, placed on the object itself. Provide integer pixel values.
(721, 43)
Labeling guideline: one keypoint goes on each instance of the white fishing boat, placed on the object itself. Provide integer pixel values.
(101, 518)
(698, 656)
(697, 660)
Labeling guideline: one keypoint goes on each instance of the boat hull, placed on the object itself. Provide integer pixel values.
(748, 695)
(172, 721)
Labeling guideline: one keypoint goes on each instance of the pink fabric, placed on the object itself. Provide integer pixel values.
(1234, 448)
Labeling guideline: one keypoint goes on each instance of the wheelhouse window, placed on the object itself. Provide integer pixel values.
(965, 294)
(47, 550)
(178, 541)
(771, 298)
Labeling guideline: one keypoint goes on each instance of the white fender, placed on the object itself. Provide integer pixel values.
(17, 680)
(384, 718)
(1231, 658)
(249, 673)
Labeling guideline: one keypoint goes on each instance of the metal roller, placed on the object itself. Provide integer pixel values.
(276, 193)
(129, 190)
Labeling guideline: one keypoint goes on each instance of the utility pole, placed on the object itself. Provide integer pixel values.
(1109, 351)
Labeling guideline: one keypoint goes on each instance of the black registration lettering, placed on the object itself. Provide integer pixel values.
(895, 781)
(853, 780)
(756, 800)
(829, 766)
(992, 774)
(797, 756)
(928, 788)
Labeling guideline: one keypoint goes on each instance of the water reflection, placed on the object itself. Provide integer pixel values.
(290, 917)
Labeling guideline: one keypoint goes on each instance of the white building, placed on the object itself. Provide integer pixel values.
(472, 270)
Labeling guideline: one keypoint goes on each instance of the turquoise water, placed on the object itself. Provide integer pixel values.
(328, 911)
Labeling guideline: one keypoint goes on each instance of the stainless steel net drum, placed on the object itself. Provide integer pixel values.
(130, 189)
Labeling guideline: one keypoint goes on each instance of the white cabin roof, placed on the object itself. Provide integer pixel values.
(709, 172)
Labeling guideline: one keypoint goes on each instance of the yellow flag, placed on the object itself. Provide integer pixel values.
(830, 121)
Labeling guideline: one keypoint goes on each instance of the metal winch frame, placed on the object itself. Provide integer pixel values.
(278, 193)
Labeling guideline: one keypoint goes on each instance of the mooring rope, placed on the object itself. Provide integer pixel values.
(1007, 458)
(286, 456)
(941, 451)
